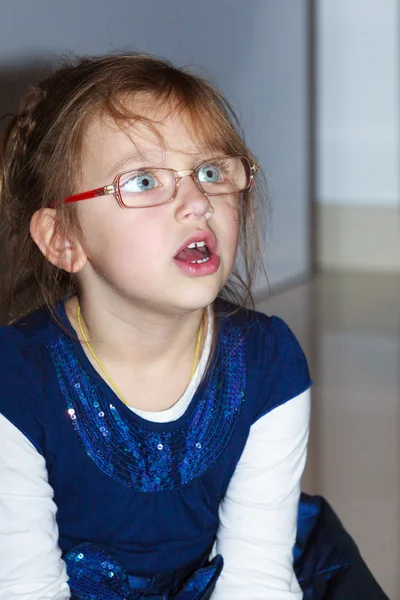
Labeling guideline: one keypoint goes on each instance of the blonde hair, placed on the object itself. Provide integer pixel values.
(42, 148)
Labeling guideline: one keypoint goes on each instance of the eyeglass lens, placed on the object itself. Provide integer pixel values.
(149, 187)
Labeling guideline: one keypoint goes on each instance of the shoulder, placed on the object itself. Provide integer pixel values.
(22, 341)
(23, 375)
(263, 332)
(18, 354)
(275, 361)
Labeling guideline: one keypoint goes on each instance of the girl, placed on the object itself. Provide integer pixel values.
(153, 433)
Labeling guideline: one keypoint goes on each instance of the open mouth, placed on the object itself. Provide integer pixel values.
(198, 256)
(195, 253)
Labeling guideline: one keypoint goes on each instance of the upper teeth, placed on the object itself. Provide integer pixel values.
(197, 245)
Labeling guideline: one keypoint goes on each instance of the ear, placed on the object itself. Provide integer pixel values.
(62, 252)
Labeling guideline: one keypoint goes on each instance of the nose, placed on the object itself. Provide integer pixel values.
(191, 201)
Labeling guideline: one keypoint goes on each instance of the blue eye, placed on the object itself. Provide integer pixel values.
(208, 174)
(139, 183)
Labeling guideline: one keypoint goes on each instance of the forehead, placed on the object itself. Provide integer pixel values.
(155, 136)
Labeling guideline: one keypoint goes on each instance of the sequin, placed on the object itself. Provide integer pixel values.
(100, 576)
(129, 452)
(96, 575)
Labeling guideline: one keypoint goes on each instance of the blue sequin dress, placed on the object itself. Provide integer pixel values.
(137, 500)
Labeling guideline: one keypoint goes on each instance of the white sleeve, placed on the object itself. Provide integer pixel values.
(258, 515)
(31, 567)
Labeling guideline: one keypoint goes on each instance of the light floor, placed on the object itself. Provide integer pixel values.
(349, 327)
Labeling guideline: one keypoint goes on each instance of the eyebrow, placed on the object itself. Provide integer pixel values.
(125, 161)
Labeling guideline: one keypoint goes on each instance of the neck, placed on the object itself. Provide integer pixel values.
(136, 337)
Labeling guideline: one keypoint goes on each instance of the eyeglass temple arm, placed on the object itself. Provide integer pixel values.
(103, 191)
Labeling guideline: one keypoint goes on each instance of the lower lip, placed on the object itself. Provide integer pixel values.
(199, 269)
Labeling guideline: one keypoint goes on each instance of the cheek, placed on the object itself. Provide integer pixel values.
(227, 213)
(122, 240)
(100, 232)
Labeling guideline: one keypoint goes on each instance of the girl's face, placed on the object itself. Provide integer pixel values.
(133, 252)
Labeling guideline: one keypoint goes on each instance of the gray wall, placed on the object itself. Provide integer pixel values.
(256, 51)
(359, 94)
(358, 135)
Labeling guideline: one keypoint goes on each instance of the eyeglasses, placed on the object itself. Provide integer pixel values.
(152, 186)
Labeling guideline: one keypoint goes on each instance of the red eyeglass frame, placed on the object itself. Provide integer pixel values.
(114, 188)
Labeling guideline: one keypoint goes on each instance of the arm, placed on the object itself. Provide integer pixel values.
(258, 515)
(30, 560)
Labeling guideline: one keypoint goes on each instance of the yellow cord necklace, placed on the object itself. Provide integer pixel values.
(104, 370)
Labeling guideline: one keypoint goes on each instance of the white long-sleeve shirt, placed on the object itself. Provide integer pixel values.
(257, 515)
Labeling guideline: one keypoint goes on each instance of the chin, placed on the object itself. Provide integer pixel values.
(197, 299)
